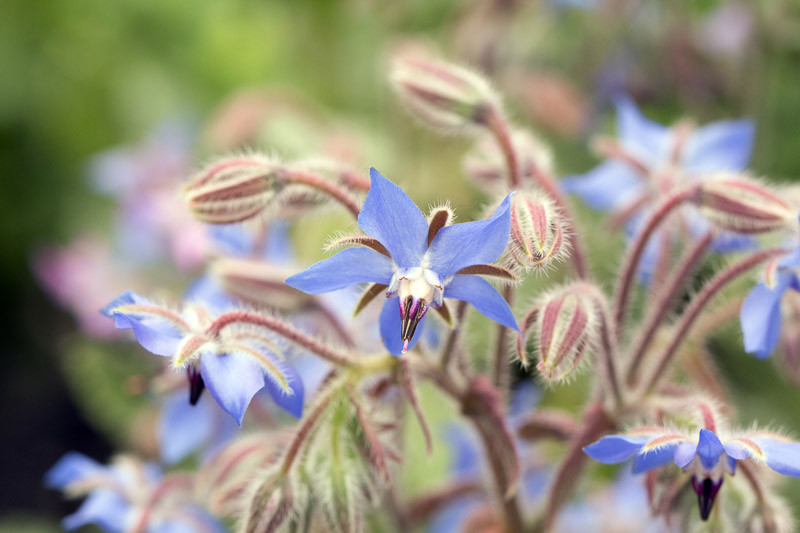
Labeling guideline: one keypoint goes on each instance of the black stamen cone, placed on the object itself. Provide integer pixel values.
(706, 491)
(196, 385)
(411, 320)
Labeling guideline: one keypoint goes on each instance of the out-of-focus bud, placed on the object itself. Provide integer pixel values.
(567, 326)
(538, 235)
(737, 203)
(551, 100)
(443, 95)
(233, 189)
(258, 282)
(486, 164)
(269, 502)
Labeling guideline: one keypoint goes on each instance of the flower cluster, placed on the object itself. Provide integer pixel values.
(261, 330)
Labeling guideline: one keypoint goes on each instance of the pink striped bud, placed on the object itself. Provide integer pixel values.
(737, 203)
(567, 326)
(443, 95)
(538, 235)
(487, 166)
(234, 189)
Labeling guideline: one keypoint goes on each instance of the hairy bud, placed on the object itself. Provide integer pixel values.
(233, 189)
(567, 325)
(269, 503)
(443, 95)
(538, 234)
(487, 166)
(740, 204)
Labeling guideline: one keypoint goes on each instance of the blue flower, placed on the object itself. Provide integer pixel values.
(761, 311)
(233, 364)
(129, 495)
(648, 160)
(706, 456)
(419, 265)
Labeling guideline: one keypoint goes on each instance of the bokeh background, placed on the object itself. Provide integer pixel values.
(82, 76)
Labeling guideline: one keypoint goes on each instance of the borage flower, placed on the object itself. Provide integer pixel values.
(417, 263)
(234, 363)
(761, 315)
(648, 160)
(707, 457)
(129, 495)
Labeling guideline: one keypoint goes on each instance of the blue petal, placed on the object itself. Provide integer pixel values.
(654, 458)
(615, 448)
(760, 316)
(354, 265)
(184, 428)
(524, 399)
(206, 290)
(232, 379)
(782, 457)
(465, 456)
(608, 186)
(391, 324)
(390, 216)
(723, 145)
(291, 403)
(72, 467)
(105, 508)
(791, 260)
(648, 139)
(155, 333)
(709, 449)
(483, 297)
(471, 243)
(684, 453)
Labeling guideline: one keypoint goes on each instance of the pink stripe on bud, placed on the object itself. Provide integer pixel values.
(567, 325)
(443, 95)
(740, 204)
(233, 190)
(537, 231)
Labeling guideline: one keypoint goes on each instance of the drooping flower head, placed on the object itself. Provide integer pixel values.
(130, 495)
(647, 160)
(232, 363)
(417, 263)
(704, 455)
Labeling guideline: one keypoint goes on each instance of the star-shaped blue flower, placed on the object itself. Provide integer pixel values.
(761, 316)
(129, 495)
(649, 159)
(419, 265)
(706, 456)
(233, 364)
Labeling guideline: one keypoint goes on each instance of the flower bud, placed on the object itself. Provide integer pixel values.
(538, 237)
(567, 325)
(740, 204)
(443, 95)
(258, 282)
(487, 166)
(233, 190)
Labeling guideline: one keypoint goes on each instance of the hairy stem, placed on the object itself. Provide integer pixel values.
(284, 330)
(498, 125)
(501, 375)
(635, 251)
(664, 301)
(608, 344)
(699, 302)
(327, 187)
(452, 338)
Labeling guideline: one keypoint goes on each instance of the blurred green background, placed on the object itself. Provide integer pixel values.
(80, 76)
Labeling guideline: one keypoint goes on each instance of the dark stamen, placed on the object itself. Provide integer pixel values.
(706, 491)
(196, 384)
(411, 312)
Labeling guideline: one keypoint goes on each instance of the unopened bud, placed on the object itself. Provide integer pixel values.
(538, 235)
(567, 326)
(258, 282)
(233, 190)
(443, 95)
(269, 502)
(740, 204)
(487, 166)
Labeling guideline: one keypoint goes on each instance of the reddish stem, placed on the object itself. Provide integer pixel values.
(327, 187)
(501, 376)
(303, 433)
(664, 301)
(282, 329)
(502, 133)
(699, 302)
(635, 251)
